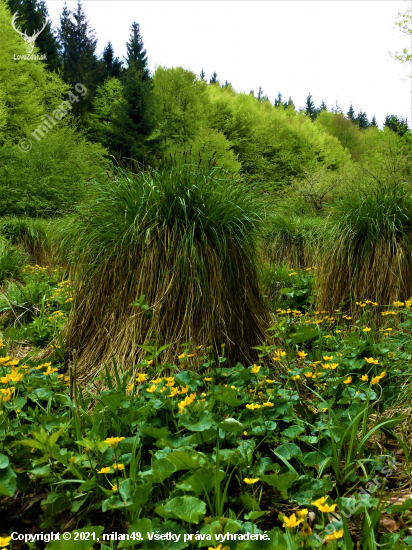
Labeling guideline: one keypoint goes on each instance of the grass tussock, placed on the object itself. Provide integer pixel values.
(291, 240)
(30, 234)
(185, 239)
(367, 250)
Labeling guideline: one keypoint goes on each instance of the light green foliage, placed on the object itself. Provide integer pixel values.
(12, 262)
(51, 177)
(181, 102)
(107, 98)
(28, 90)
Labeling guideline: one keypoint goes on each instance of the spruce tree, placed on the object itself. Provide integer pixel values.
(322, 107)
(351, 113)
(79, 62)
(362, 120)
(278, 100)
(374, 123)
(202, 74)
(289, 103)
(397, 125)
(226, 84)
(32, 15)
(134, 118)
(136, 55)
(111, 64)
(310, 108)
(214, 79)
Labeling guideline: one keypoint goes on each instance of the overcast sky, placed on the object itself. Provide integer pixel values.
(337, 50)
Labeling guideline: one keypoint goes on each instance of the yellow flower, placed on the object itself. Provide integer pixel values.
(308, 374)
(326, 358)
(328, 336)
(181, 356)
(335, 536)
(114, 488)
(118, 467)
(244, 433)
(72, 460)
(250, 480)
(302, 354)
(4, 541)
(268, 404)
(375, 380)
(141, 377)
(253, 407)
(157, 381)
(322, 507)
(13, 362)
(113, 441)
(364, 377)
(302, 513)
(5, 379)
(4, 359)
(255, 369)
(382, 374)
(372, 360)
(104, 470)
(152, 389)
(348, 380)
(338, 355)
(333, 366)
(208, 379)
(184, 390)
(291, 521)
(366, 329)
(296, 377)
(129, 388)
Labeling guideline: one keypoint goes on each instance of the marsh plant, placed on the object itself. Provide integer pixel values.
(186, 239)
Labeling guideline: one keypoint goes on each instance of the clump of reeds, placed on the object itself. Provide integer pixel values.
(185, 239)
(367, 247)
(291, 240)
(29, 234)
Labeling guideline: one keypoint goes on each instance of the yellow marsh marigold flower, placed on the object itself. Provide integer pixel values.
(255, 369)
(348, 380)
(375, 380)
(114, 488)
(183, 390)
(326, 358)
(209, 379)
(113, 441)
(364, 377)
(104, 470)
(371, 360)
(366, 329)
(250, 480)
(141, 377)
(302, 513)
(181, 356)
(5, 379)
(129, 388)
(152, 389)
(333, 366)
(118, 467)
(308, 374)
(296, 377)
(156, 381)
(244, 433)
(174, 392)
(268, 404)
(4, 359)
(302, 354)
(382, 374)
(291, 521)
(72, 460)
(4, 541)
(335, 536)
(253, 406)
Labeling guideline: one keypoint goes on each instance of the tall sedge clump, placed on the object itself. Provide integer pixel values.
(291, 240)
(185, 239)
(367, 250)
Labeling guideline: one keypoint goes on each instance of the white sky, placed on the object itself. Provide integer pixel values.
(337, 50)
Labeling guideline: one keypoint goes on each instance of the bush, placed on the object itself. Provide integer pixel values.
(28, 233)
(367, 251)
(184, 239)
(12, 262)
(292, 240)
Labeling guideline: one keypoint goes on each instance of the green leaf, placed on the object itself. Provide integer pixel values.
(199, 425)
(142, 526)
(282, 482)
(7, 481)
(230, 425)
(397, 508)
(293, 431)
(190, 509)
(162, 468)
(4, 461)
(254, 515)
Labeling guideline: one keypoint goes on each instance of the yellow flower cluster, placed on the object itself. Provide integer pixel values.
(186, 401)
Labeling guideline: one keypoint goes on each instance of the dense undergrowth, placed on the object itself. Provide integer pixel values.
(308, 445)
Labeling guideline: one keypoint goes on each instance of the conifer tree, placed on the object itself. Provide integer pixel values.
(136, 54)
(31, 16)
(226, 84)
(214, 79)
(374, 123)
(278, 100)
(322, 107)
(397, 125)
(310, 108)
(77, 43)
(202, 74)
(289, 103)
(111, 65)
(362, 120)
(351, 113)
